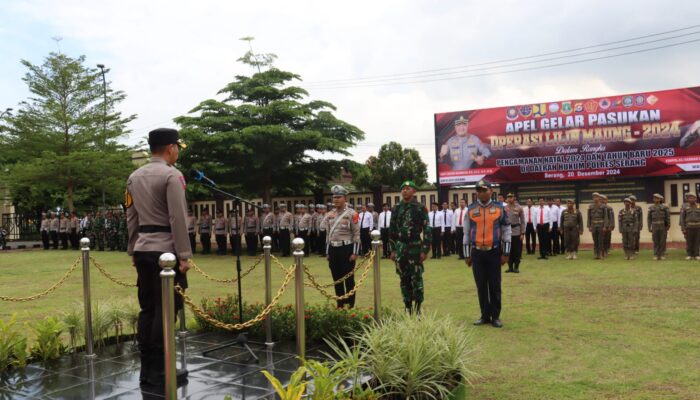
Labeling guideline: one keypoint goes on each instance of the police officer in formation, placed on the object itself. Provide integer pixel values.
(304, 227)
(204, 227)
(408, 249)
(44, 229)
(571, 224)
(251, 227)
(610, 226)
(219, 225)
(690, 226)
(640, 222)
(487, 245)
(321, 213)
(627, 221)
(191, 226)
(286, 226)
(659, 220)
(343, 244)
(597, 223)
(312, 228)
(234, 227)
(516, 218)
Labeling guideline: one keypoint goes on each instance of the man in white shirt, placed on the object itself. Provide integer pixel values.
(530, 228)
(458, 226)
(543, 219)
(384, 222)
(562, 247)
(447, 228)
(435, 220)
(366, 225)
(555, 214)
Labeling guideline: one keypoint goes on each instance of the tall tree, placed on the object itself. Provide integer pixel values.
(61, 145)
(393, 165)
(263, 137)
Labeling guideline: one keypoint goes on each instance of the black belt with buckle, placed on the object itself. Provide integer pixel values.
(154, 228)
(514, 225)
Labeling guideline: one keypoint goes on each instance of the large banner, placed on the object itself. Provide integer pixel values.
(642, 134)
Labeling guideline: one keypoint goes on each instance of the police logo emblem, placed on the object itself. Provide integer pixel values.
(512, 113)
(566, 108)
(627, 101)
(651, 100)
(526, 110)
(639, 100)
(605, 104)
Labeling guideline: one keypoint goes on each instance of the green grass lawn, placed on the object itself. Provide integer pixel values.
(580, 329)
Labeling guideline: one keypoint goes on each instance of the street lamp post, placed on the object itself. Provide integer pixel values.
(104, 121)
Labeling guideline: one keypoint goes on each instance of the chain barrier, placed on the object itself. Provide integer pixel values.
(346, 295)
(47, 291)
(232, 280)
(237, 327)
(358, 266)
(110, 276)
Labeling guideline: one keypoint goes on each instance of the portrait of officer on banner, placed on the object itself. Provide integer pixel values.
(463, 150)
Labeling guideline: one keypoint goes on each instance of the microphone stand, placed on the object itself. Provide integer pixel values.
(242, 338)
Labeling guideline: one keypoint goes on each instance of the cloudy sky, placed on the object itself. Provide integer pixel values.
(169, 55)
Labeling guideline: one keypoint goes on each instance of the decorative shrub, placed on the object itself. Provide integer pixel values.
(13, 346)
(322, 320)
(411, 358)
(48, 344)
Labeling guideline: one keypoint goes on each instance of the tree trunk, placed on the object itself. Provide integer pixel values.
(71, 207)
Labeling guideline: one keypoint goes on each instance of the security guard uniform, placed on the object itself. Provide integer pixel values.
(156, 218)
(343, 242)
(659, 220)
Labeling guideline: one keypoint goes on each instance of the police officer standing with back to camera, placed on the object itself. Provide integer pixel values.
(487, 243)
(659, 220)
(343, 244)
(156, 218)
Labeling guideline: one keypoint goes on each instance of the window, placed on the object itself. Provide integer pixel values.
(422, 199)
(455, 199)
(396, 199)
(388, 200)
(674, 195)
(367, 200)
(432, 198)
(473, 197)
(359, 201)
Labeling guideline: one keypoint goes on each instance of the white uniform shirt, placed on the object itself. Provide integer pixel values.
(546, 215)
(448, 220)
(435, 219)
(458, 218)
(366, 220)
(384, 219)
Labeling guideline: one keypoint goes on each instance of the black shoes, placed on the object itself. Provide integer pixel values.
(481, 321)
(496, 323)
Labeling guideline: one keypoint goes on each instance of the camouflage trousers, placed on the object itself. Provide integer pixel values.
(410, 270)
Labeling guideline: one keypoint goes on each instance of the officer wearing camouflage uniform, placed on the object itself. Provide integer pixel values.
(627, 220)
(640, 222)
(123, 233)
(597, 222)
(98, 231)
(690, 225)
(659, 220)
(410, 220)
(342, 244)
(571, 224)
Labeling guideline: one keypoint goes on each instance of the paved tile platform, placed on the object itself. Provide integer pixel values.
(114, 373)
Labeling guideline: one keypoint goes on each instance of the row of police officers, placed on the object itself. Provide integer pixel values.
(105, 230)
